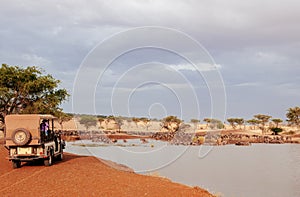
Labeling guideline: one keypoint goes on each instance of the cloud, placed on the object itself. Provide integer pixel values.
(247, 84)
(202, 67)
(255, 44)
(33, 59)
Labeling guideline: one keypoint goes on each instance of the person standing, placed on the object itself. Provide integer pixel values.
(44, 127)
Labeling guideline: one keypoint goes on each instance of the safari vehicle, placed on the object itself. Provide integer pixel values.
(31, 137)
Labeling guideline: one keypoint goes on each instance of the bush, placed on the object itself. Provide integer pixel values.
(276, 130)
(290, 133)
(198, 140)
(216, 124)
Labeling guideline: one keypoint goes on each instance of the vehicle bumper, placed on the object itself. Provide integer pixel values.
(26, 157)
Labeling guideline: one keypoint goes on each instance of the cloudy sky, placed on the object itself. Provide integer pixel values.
(254, 45)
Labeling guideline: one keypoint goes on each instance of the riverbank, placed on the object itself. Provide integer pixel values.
(85, 176)
(217, 137)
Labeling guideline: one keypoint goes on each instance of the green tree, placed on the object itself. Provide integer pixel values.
(277, 121)
(232, 122)
(240, 122)
(88, 121)
(120, 121)
(216, 124)
(236, 121)
(262, 119)
(171, 123)
(28, 90)
(195, 122)
(276, 130)
(111, 117)
(253, 122)
(62, 117)
(102, 119)
(135, 120)
(213, 123)
(293, 116)
(146, 122)
(208, 121)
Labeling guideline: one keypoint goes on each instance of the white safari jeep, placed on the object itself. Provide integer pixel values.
(31, 137)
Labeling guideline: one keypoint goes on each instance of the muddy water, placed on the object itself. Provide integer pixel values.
(257, 170)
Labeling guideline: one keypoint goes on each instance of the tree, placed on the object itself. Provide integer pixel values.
(136, 120)
(276, 121)
(293, 116)
(213, 123)
(62, 117)
(111, 117)
(240, 122)
(276, 130)
(119, 120)
(171, 123)
(207, 120)
(195, 122)
(88, 121)
(253, 122)
(102, 119)
(216, 124)
(146, 122)
(262, 119)
(28, 90)
(232, 122)
(236, 121)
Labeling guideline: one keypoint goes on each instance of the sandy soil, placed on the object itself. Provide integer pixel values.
(83, 176)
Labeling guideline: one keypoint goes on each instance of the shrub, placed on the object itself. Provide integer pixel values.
(216, 124)
(276, 130)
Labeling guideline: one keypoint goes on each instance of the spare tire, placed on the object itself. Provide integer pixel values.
(21, 136)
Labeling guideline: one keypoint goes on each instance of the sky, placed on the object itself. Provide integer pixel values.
(251, 50)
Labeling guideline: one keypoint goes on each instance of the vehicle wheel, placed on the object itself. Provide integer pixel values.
(60, 157)
(21, 136)
(16, 164)
(49, 161)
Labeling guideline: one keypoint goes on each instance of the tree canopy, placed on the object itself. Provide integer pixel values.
(293, 116)
(62, 117)
(213, 123)
(253, 122)
(120, 121)
(235, 121)
(172, 119)
(28, 90)
(262, 119)
(277, 121)
(195, 121)
(207, 120)
(171, 123)
(88, 121)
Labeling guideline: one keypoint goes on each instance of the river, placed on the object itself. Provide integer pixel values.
(266, 170)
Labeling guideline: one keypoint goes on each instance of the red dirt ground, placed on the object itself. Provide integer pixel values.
(83, 176)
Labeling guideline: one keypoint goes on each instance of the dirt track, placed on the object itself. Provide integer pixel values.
(83, 176)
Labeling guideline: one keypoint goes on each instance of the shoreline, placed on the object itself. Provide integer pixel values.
(215, 138)
(86, 175)
(213, 189)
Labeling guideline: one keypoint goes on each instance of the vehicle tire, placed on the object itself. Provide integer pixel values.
(49, 161)
(16, 164)
(60, 157)
(21, 136)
